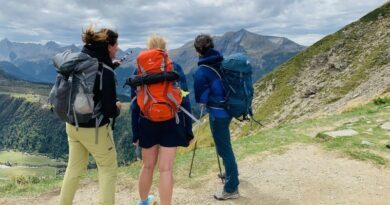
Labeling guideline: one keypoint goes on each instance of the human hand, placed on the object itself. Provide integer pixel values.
(119, 105)
(192, 141)
(116, 63)
(136, 143)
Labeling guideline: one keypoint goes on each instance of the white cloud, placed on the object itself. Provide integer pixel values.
(304, 21)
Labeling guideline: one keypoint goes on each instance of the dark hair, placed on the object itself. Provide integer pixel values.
(203, 43)
(104, 35)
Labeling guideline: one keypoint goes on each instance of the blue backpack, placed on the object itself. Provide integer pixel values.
(236, 75)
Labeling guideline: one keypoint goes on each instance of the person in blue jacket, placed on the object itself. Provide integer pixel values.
(159, 140)
(210, 93)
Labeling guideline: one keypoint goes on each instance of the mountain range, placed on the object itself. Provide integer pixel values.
(265, 52)
(32, 61)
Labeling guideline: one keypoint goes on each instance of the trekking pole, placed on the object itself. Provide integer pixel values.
(192, 161)
(196, 142)
(219, 166)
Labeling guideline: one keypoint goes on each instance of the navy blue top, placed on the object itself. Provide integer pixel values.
(208, 85)
(182, 131)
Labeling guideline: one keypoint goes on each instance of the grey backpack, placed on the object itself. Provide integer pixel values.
(71, 97)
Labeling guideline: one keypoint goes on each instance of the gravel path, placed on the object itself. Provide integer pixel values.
(305, 174)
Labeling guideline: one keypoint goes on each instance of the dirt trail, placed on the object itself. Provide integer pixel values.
(302, 175)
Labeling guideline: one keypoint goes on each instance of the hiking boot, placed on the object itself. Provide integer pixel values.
(149, 201)
(226, 195)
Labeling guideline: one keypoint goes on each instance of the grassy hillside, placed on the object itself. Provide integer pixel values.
(326, 76)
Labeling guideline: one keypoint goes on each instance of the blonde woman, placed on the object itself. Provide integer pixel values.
(83, 139)
(159, 140)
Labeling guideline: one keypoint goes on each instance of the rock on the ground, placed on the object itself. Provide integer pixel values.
(385, 126)
(341, 133)
(368, 143)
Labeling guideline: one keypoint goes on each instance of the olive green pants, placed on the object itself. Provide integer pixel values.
(81, 143)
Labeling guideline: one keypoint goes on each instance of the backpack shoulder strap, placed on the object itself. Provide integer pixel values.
(106, 67)
(100, 73)
(213, 69)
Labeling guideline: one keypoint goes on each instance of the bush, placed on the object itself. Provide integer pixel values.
(20, 180)
(24, 180)
(323, 137)
(34, 179)
(382, 101)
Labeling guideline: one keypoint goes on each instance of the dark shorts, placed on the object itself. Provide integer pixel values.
(166, 134)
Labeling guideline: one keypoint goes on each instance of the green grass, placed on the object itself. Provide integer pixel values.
(28, 174)
(372, 16)
(368, 128)
(19, 158)
(27, 171)
(32, 187)
(29, 97)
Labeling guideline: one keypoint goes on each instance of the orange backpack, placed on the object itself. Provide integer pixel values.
(160, 101)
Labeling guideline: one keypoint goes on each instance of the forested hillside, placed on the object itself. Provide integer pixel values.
(28, 125)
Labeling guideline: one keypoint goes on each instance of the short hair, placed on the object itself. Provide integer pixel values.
(104, 35)
(156, 42)
(203, 43)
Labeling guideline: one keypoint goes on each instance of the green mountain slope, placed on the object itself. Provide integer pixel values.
(349, 67)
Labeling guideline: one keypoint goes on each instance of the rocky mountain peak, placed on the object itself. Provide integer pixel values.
(52, 45)
(6, 42)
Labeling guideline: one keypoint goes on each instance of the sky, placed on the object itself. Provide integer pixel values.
(179, 21)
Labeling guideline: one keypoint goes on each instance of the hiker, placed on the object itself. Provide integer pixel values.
(99, 50)
(210, 94)
(157, 132)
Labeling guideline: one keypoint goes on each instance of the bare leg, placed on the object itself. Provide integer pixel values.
(149, 158)
(165, 165)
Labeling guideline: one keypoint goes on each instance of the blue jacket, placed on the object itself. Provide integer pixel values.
(208, 85)
(185, 124)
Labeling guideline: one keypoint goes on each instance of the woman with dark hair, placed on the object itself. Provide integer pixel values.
(94, 136)
(210, 93)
